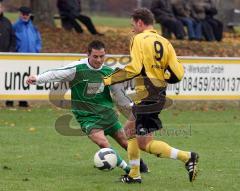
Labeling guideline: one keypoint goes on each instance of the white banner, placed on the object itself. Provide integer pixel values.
(205, 78)
(208, 79)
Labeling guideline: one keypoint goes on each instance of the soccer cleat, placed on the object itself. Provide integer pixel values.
(191, 166)
(129, 180)
(143, 167)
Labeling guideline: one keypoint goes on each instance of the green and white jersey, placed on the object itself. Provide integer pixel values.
(92, 104)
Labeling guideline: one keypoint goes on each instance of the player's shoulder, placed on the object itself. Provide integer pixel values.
(146, 33)
(80, 62)
(165, 42)
(139, 36)
(107, 69)
(157, 38)
(149, 35)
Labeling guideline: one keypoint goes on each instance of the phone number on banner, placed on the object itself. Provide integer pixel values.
(206, 84)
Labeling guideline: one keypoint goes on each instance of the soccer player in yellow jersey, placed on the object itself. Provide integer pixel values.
(153, 64)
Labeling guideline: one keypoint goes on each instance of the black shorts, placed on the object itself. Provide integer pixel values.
(147, 121)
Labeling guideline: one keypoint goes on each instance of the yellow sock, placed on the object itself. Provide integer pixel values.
(162, 149)
(183, 155)
(134, 158)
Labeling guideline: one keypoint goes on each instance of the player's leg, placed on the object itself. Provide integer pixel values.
(134, 175)
(163, 150)
(117, 133)
(130, 132)
(97, 136)
(148, 123)
(120, 137)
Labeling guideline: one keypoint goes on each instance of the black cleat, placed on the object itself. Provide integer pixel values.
(129, 180)
(191, 166)
(143, 167)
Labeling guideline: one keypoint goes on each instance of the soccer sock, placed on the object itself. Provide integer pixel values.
(121, 163)
(162, 149)
(134, 158)
(184, 156)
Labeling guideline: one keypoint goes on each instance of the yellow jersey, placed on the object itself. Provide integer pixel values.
(153, 63)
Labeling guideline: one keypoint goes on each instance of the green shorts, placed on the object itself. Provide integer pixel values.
(88, 126)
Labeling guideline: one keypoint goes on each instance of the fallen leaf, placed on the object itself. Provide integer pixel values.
(6, 168)
(25, 179)
(32, 129)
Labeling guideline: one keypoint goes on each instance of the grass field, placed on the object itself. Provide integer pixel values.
(34, 157)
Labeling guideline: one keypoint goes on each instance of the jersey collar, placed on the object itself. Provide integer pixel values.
(150, 31)
(89, 66)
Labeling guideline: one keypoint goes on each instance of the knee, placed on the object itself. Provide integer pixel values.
(124, 144)
(142, 146)
(103, 144)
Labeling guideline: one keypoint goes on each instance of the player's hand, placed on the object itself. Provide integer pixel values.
(107, 81)
(167, 75)
(31, 79)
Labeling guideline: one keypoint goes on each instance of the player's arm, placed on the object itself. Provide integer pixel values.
(131, 70)
(174, 71)
(63, 74)
(119, 96)
(123, 102)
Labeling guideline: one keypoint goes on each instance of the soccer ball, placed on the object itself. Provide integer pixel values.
(105, 159)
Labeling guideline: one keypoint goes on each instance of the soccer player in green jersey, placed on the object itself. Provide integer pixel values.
(91, 102)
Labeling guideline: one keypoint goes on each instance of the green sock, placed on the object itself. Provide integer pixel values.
(121, 163)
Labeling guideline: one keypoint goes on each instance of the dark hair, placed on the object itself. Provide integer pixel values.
(143, 14)
(25, 10)
(96, 44)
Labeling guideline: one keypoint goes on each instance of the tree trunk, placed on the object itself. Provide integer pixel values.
(43, 12)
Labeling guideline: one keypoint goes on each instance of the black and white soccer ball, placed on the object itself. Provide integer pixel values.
(105, 159)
